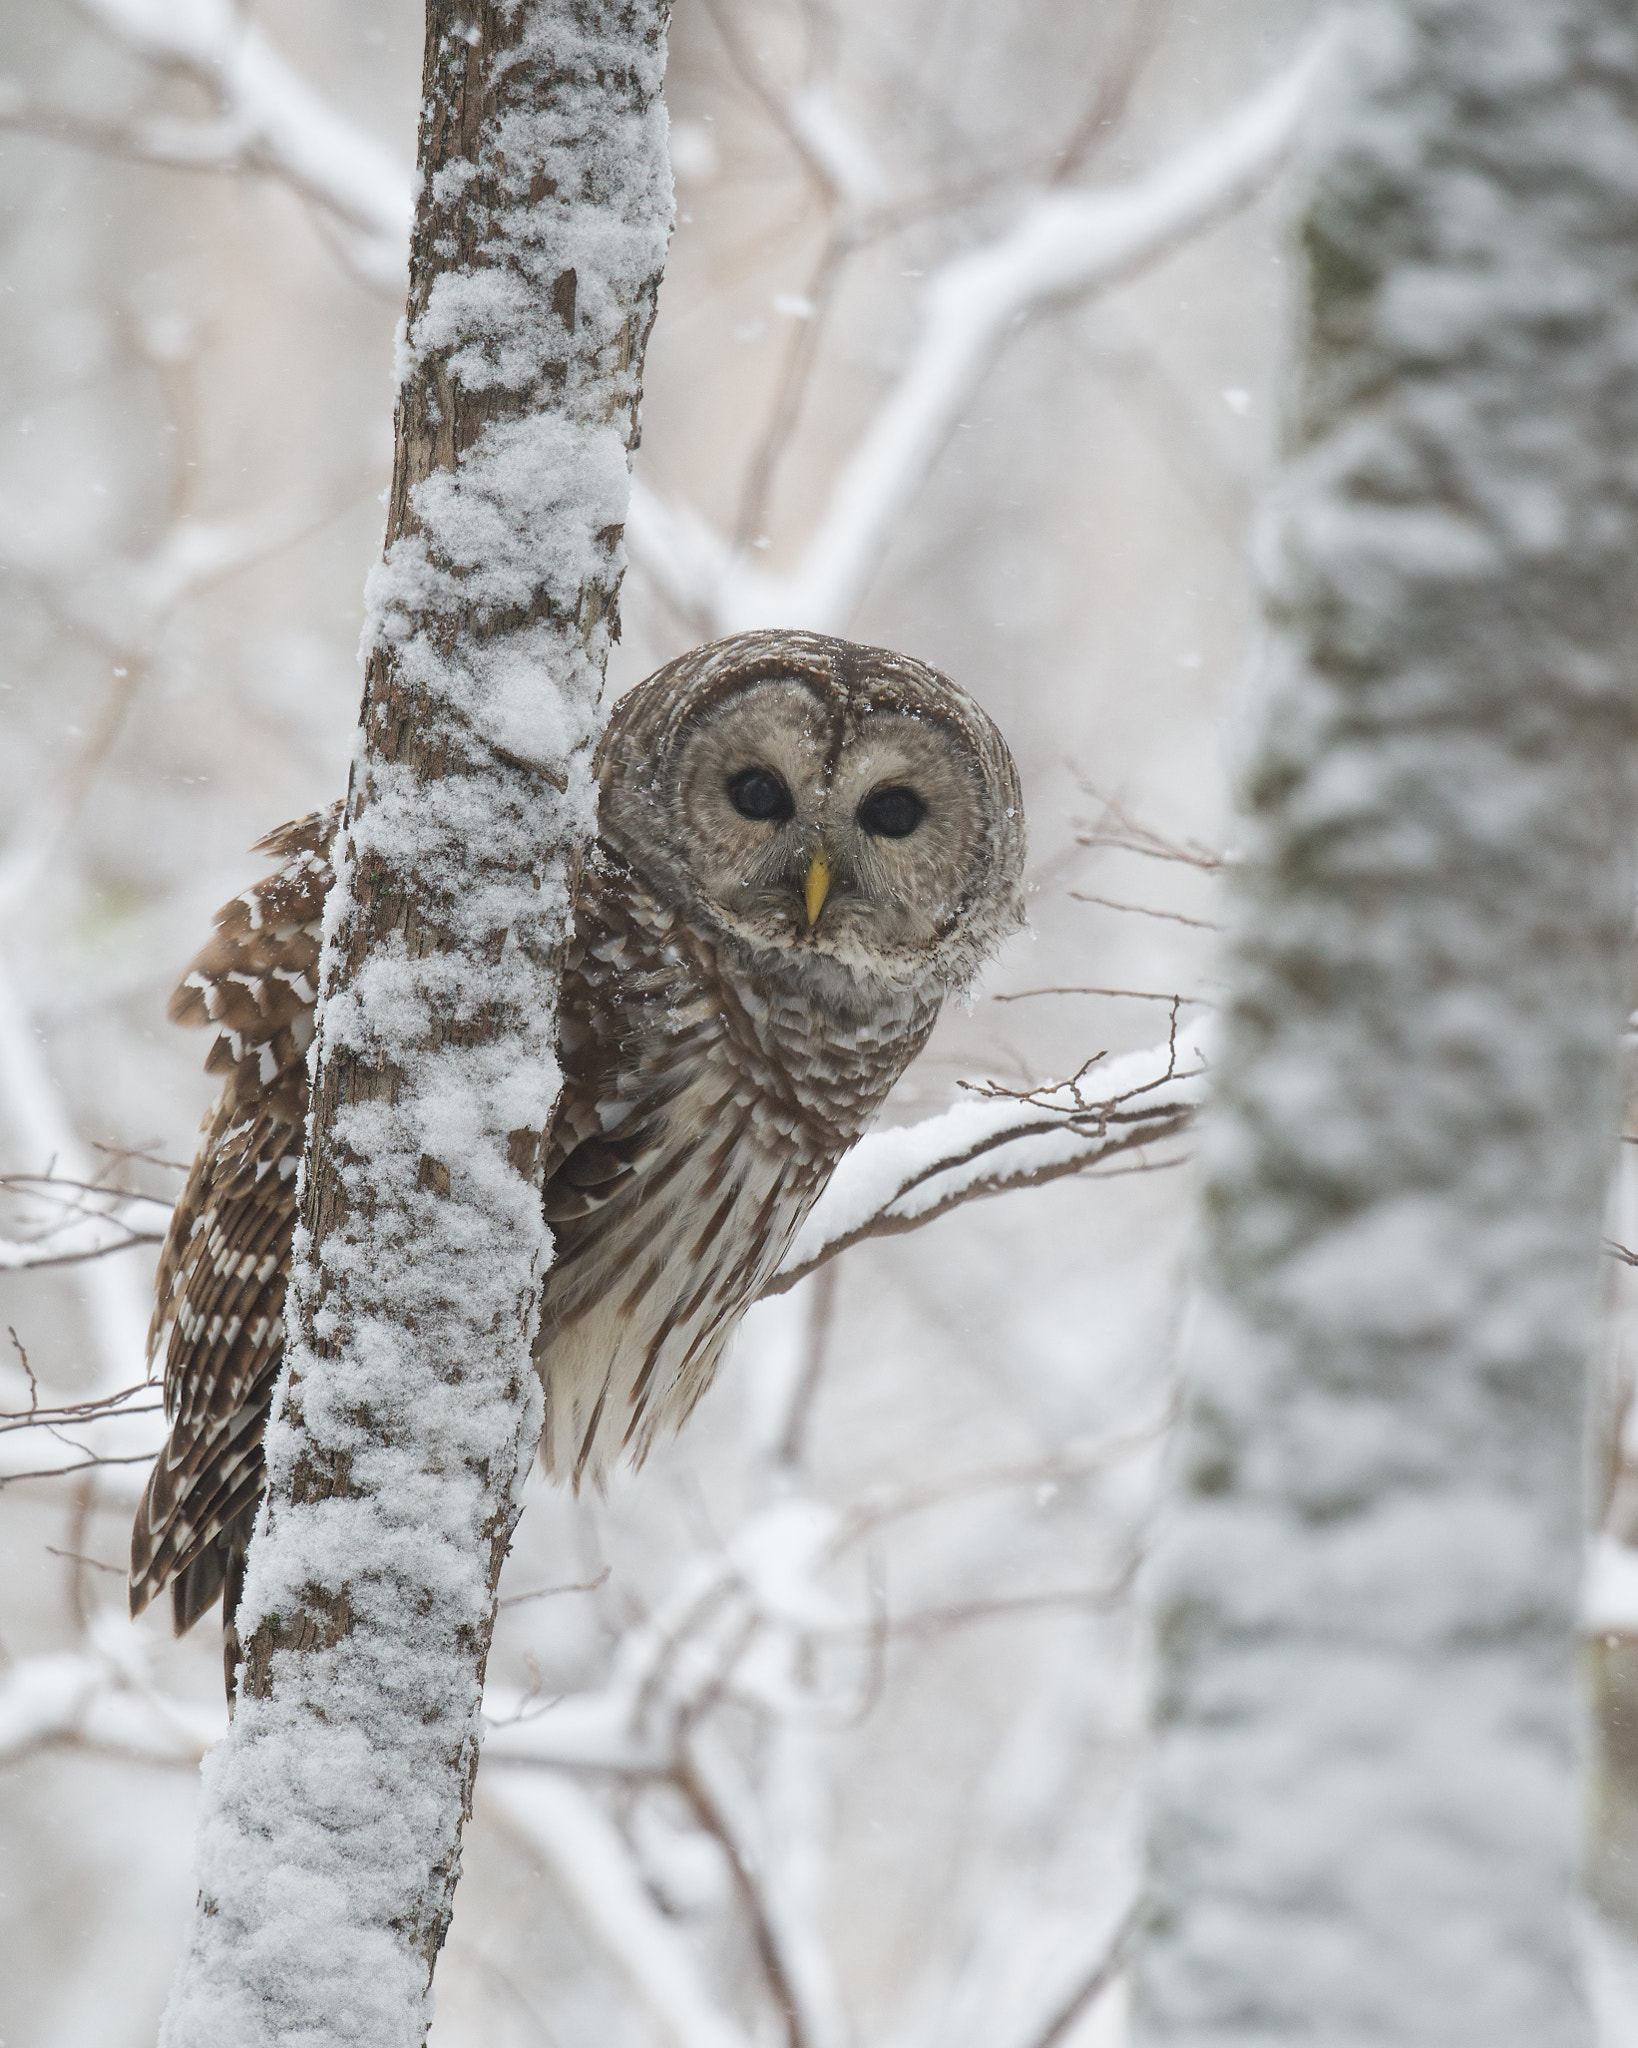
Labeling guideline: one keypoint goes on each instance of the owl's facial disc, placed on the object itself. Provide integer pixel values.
(805, 830)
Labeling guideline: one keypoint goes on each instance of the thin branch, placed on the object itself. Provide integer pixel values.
(23, 1258)
(1106, 110)
(29, 1371)
(141, 1399)
(709, 1812)
(1096, 1982)
(870, 1512)
(79, 1557)
(775, 105)
(123, 1155)
(551, 1592)
(933, 1621)
(89, 1463)
(1130, 835)
(42, 1123)
(1202, 924)
(1141, 995)
(756, 491)
(821, 1319)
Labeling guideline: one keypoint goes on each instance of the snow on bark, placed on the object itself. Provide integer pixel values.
(1363, 1806)
(406, 1423)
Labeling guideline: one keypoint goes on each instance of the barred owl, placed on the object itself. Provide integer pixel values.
(804, 846)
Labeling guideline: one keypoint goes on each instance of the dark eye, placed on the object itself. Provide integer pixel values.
(892, 813)
(758, 793)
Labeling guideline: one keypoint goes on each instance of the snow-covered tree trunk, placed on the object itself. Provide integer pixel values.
(1363, 1819)
(407, 1421)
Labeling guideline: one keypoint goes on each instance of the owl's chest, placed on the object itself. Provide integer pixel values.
(796, 1079)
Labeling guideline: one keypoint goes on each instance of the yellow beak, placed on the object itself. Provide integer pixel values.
(816, 888)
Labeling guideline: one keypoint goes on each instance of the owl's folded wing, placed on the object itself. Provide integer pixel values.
(221, 1279)
(222, 1275)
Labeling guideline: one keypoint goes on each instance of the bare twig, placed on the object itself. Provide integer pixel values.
(29, 1373)
(79, 1521)
(822, 1316)
(1106, 110)
(140, 1399)
(709, 1812)
(124, 1155)
(23, 1259)
(801, 354)
(1202, 924)
(867, 1515)
(89, 1463)
(79, 1557)
(933, 1621)
(1117, 830)
(1141, 995)
(551, 1592)
(774, 104)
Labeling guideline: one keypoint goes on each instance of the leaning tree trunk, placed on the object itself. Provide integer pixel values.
(1363, 1819)
(407, 1421)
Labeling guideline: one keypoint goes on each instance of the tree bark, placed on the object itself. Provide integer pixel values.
(1363, 1813)
(407, 1419)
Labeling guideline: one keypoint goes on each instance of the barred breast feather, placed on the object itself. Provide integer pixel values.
(701, 1116)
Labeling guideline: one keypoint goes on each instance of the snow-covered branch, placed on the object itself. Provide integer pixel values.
(267, 119)
(99, 1698)
(1065, 245)
(897, 1180)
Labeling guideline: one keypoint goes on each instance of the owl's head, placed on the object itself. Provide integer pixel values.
(840, 814)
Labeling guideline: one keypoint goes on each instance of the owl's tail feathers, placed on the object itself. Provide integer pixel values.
(217, 1571)
(200, 1566)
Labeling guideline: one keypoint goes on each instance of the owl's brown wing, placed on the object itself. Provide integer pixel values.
(221, 1280)
(222, 1274)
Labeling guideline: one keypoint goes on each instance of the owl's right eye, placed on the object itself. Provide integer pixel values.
(758, 793)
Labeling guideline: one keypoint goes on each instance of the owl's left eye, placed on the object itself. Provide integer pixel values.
(759, 794)
(891, 813)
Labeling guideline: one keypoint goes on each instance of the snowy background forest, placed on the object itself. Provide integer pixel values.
(824, 1728)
